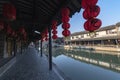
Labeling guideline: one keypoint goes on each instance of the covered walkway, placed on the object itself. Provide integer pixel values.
(30, 66)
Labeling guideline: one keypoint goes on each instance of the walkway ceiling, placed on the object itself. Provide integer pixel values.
(38, 14)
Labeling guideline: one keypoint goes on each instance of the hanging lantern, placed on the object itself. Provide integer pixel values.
(86, 15)
(42, 39)
(91, 12)
(13, 33)
(54, 36)
(54, 23)
(95, 23)
(65, 19)
(54, 31)
(46, 31)
(46, 34)
(66, 32)
(65, 11)
(54, 27)
(42, 36)
(1, 25)
(46, 39)
(86, 26)
(21, 30)
(84, 4)
(87, 3)
(9, 11)
(9, 30)
(91, 2)
(92, 24)
(65, 25)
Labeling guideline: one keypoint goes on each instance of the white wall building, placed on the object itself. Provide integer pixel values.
(109, 35)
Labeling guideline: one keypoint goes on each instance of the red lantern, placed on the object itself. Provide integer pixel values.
(66, 32)
(9, 30)
(92, 24)
(46, 36)
(65, 19)
(54, 31)
(91, 12)
(65, 11)
(65, 25)
(84, 4)
(9, 11)
(91, 2)
(95, 23)
(42, 35)
(54, 27)
(25, 34)
(46, 31)
(54, 23)
(22, 30)
(1, 25)
(46, 39)
(86, 26)
(13, 33)
(87, 3)
(54, 36)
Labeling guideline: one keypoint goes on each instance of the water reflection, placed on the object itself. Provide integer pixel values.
(77, 64)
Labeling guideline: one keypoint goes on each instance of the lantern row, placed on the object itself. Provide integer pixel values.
(9, 14)
(91, 11)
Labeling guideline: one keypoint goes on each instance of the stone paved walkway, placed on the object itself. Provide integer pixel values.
(30, 66)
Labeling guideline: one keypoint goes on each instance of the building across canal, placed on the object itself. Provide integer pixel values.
(106, 38)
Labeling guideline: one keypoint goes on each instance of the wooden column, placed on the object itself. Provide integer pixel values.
(14, 46)
(41, 47)
(50, 49)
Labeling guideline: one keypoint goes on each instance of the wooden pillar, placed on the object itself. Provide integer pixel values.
(50, 49)
(41, 48)
(21, 46)
(14, 46)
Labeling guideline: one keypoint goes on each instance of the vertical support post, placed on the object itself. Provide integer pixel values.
(14, 44)
(41, 48)
(21, 46)
(50, 48)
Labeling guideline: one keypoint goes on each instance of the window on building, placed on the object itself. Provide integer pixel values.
(72, 37)
(107, 31)
(87, 34)
(77, 37)
(82, 36)
(119, 28)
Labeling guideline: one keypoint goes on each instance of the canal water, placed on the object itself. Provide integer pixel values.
(80, 64)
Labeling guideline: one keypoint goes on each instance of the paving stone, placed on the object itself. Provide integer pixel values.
(30, 66)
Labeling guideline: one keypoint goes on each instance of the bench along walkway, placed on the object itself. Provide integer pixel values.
(30, 66)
